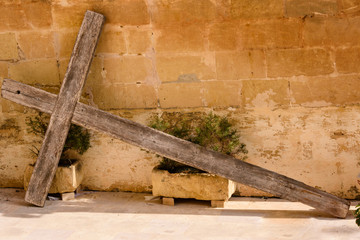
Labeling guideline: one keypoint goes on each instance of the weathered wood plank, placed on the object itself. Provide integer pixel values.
(67, 99)
(182, 151)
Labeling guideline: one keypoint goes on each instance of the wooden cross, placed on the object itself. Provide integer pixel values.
(65, 109)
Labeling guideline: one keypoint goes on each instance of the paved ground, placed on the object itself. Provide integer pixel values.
(104, 215)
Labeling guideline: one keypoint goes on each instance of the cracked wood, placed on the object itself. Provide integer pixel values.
(64, 107)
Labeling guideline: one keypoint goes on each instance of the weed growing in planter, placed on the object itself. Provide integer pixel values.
(357, 214)
(211, 131)
(78, 138)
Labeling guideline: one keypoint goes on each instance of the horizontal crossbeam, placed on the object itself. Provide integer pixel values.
(181, 150)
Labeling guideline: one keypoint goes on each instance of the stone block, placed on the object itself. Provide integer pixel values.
(183, 12)
(125, 12)
(222, 93)
(128, 69)
(332, 31)
(185, 68)
(121, 96)
(38, 13)
(240, 65)
(253, 9)
(69, 15)
(295, 62)
(224, 36)
(180, 95)
(12, 17)
(265, 93)
(300, 8)
(347, 60)
(66, 179)
(111, 42)
(8, 47)
(201, 186)
(168, 201)
(43, 72)
(139, 41)
(3, 70)
(320, 92)
(189, 38)
(217, 204)
(66, 42)
(37, 44)
(280, 33)
(68, 196)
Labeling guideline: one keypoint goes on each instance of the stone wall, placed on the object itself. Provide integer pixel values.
(285, 71)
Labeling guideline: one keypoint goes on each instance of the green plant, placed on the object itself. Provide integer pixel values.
(210, 131)
(357, 214)
(78, 138)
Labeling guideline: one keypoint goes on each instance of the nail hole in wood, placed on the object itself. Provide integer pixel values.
(18, 92)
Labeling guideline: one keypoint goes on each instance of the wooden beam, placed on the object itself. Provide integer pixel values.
(64, 107)
(181, 151)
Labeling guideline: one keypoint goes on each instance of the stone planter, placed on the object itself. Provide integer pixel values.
(201, 186)
(67, 179)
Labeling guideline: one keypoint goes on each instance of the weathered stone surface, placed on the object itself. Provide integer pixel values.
(222, 94)
(184, 12)
(240, 65)
(283, 33)
(3, 70)
(331, 31)
(67, 179)
(126, 12)
(66, 41)
(201, 186)
(12, 17)
(118, 96)
(8, 47)
(246, 191)
(38, 13)
(189, 38)
(111, 42)
(44, 72)
(252, 9)
(180, 95)
(139, 41)
(129, 69)
(320, 92)
(67, 15)
(224, 36)
(265, 93)
(348, 4)
(37, 44)
(185, 68)
(300, 8)
(295, 62)
(347, 60)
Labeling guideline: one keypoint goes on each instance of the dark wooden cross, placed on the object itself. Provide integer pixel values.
(65, 109)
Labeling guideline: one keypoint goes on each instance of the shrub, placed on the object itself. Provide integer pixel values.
(78, 138)
(210, 131)
(357, 214)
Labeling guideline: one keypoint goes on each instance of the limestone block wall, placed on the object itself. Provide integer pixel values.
(285, 71)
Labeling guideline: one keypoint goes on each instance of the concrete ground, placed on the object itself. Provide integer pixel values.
(119, 215)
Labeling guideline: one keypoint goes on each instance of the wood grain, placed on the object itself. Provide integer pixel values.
(181, 151)
(64, 107)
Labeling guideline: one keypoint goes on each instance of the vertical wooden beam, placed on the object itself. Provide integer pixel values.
(62, 114)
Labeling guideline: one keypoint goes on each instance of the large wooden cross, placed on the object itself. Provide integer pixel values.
(65, 109)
